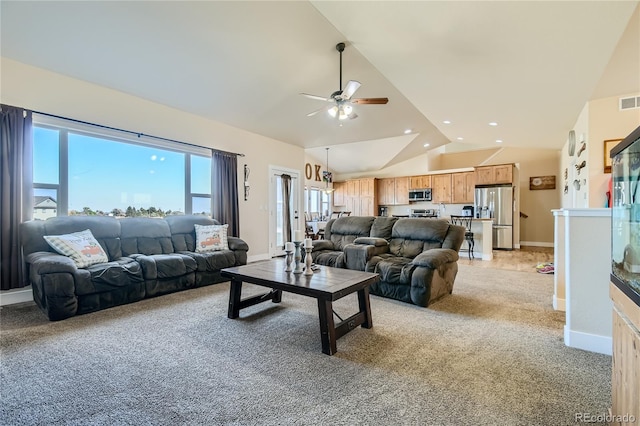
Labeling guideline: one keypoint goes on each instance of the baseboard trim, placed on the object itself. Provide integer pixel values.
(258, 258)
(559, 304)
(11, 297)
(535, 244)
(588, 342)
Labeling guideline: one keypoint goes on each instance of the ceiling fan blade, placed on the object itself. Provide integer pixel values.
(365, 101)
(316, 97)
(350, 89)
(312, 113)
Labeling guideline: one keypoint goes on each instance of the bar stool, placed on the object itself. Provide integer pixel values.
(465, 221)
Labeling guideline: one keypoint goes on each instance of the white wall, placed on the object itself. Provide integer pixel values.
(600, 119)
(37, 89)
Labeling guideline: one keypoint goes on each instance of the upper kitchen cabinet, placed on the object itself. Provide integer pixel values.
(463, 187)
(420, 182)
(402, 190)
(441, 188)
(393, 191)
(339, 193)
(491, 175)
(357, 196)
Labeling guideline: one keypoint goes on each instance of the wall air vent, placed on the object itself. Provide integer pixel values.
(630, 103)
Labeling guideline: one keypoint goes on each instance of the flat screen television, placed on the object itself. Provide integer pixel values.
(625, 216)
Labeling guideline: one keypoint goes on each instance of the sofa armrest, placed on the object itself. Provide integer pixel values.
(44, 262)
(236, 243)
(356, 256)
(377, 242)
(435, 258)
(323, 245)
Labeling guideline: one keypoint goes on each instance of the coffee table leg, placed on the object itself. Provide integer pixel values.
(365, 307)
(277, 296)
(234, 299)
(327, 327)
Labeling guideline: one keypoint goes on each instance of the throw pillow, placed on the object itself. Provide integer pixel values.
(81, 247)
(211, 238)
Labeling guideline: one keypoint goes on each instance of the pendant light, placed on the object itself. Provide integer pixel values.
(327, 189)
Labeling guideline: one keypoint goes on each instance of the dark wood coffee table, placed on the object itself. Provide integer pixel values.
(326, 285)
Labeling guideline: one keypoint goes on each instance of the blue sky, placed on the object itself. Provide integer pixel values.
(104, 174)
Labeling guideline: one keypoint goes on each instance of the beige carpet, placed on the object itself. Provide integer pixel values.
(491, 353)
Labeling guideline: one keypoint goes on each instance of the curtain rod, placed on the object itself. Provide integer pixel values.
(138, 134)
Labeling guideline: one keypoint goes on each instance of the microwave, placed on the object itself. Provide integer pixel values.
(420, 194)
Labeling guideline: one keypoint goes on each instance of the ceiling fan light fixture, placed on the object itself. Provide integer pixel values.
(333, 111)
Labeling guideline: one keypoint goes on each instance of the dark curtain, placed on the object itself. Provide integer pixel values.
(286, 207)
(16, 191)
(224, 190)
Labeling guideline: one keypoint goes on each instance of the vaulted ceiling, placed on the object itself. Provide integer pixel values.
(528, 66)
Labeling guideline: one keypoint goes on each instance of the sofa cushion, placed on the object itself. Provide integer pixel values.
(145, 236)
(81, 247)
(412, 236)
(329, 258)
(395, 270)
(164, 266)
(105, 277)
(104, 229)
(382, 226)
(346, 229)
(211, 238)
(183, 234)
(212, 261)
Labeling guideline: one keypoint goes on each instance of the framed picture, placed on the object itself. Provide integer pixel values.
(608, 145)
(542, 182)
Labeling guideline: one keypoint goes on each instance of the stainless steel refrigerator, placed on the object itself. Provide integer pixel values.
(496, 203)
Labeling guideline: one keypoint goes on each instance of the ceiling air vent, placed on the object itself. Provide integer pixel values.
(630, 103)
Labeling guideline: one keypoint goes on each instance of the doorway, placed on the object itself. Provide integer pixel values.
(281, 211)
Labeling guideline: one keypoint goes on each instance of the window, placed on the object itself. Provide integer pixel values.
(77, 172)
(316, 200)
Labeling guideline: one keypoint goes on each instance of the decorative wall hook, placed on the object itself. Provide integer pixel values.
(581, 166)
(582, 148)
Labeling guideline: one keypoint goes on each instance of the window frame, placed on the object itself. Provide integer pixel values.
(66, 127)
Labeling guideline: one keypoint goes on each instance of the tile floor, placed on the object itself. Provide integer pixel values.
(524, 259)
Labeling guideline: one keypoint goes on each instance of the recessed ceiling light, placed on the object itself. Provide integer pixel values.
(498, 140)
(493, 123)
(447, 122)
(459, 138)
(425, 145)
(406, 132)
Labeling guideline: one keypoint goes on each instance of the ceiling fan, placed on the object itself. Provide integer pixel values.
(341, 99)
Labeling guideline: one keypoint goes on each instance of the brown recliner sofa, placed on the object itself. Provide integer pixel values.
(417, 258)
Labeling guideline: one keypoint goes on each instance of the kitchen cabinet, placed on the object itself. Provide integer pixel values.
(503, 173)
(339, 193)
(357, 196)
(386, 191)
(491, 175)
(393, 191)
(441, 188)
(401, 191)
(463, 187)
(420, 182)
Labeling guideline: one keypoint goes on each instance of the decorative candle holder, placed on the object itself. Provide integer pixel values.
(308, 260)
(298, 258)
(288, 260)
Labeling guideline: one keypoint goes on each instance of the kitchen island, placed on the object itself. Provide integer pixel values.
(482, 236)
